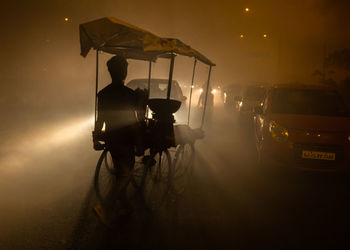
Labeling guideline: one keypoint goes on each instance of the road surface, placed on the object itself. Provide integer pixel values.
(228, 204)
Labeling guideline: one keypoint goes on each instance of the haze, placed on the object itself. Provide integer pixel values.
(47, 88)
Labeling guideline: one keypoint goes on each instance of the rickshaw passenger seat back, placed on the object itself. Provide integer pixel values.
(164, 107)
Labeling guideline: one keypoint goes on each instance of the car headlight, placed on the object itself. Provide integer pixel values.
(278, 133)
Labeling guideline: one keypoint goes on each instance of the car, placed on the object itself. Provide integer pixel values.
(231, 97)
(303, 127)
(252, 96)
(159, 90)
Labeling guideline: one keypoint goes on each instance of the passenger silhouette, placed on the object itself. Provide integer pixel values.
(210, 99)
(209, 105)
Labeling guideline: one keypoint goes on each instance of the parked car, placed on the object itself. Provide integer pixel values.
(159, 89)
(304, 127)
(252, 96)
(230, 96)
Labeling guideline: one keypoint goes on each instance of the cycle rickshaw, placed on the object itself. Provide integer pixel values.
(157, 173)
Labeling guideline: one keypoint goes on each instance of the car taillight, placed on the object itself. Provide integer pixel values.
(278, 133)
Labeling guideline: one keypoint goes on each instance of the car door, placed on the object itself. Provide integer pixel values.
(259, 120)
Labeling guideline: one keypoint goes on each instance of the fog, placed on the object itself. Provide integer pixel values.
(47, 88)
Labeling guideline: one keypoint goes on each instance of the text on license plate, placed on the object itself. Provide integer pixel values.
(306, 154)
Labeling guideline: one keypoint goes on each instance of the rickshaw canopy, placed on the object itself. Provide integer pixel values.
(114, 36)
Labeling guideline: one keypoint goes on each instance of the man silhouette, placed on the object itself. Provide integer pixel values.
(117, 106)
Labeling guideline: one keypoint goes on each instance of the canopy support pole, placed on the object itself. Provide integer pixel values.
(96, 90)
(192, 86)
(206, 97)
(149, 78)
(149, 85)
(170, 75)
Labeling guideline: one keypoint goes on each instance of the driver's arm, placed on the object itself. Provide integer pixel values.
(100, 116)
(139, 103)
(96, 134)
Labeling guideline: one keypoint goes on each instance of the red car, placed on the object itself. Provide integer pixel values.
(305, 127)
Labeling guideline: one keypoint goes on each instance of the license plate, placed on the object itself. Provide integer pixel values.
(306, 154)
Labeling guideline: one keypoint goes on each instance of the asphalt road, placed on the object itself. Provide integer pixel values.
(228, 204)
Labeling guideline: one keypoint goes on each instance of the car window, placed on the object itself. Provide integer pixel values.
(158, 88)
(265, 103)
(308, 102)
(255, 92)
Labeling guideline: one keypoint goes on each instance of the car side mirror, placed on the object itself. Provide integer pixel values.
(258, 110)
(237, 98)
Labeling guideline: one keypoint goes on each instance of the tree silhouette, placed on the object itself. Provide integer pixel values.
(339, 59)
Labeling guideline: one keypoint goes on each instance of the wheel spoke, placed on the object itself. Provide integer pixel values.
(183, 161)
(157, 181)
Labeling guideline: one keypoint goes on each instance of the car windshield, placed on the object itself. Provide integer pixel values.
(159, 88)
(308, 102)
(255, 93)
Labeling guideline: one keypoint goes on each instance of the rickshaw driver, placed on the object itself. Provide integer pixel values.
(117, 106)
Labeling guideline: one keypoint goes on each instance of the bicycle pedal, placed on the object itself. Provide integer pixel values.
(147, 158)
(101, 214)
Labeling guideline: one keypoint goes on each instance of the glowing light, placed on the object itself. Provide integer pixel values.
(46, 141)
(192, 86)
(318, 135)
(148, 112)
(103, 127)
(201, 91)
(246, 9)
(66, 19)
(349, 138)
(241, 36)
(278, 133)
(265, 35)
(68, 132)
(213, 91)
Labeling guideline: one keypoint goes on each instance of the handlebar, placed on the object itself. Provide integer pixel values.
(97, 137)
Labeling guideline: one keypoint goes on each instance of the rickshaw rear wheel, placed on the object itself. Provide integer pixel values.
(183, 167)
(157, 180)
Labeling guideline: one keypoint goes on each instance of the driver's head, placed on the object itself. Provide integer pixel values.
(118, 67)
